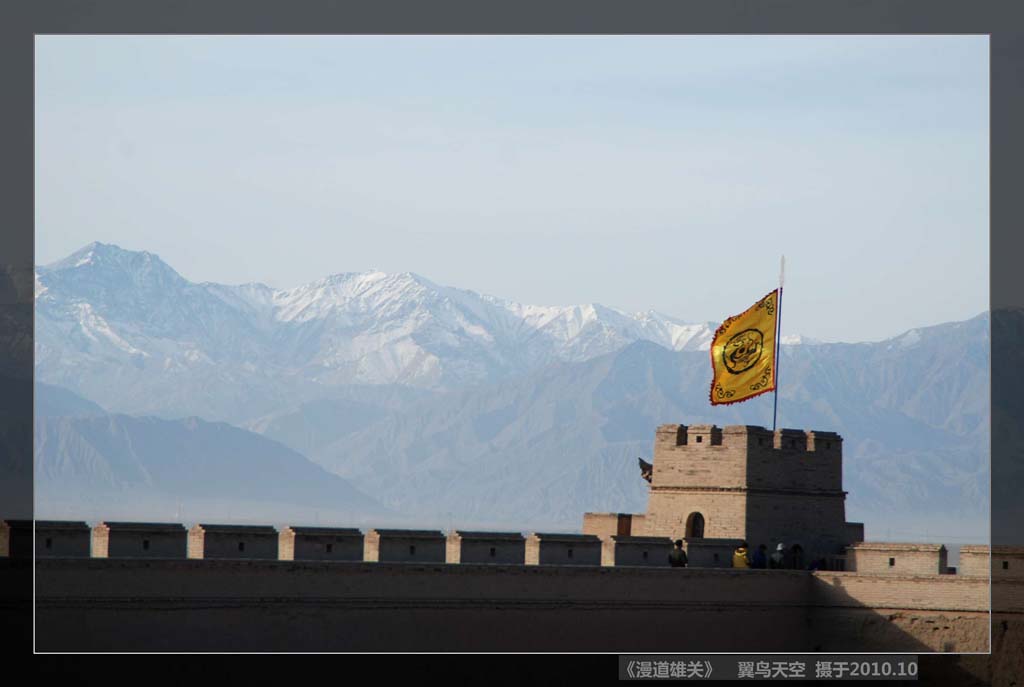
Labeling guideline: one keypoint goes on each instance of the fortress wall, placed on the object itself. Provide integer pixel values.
(911, 592)
(1003, 562)
(62, 539)
(864, 612)
(108, 604)
(890, 630)
(286, 545)
(486, 548)
(975, 560)
(427, 546)
(320, 544)
(628, 550)
(100, 547)
(139, 540)
(231, 541)
(194, 548)
(906, 559)
(710, 553)
(1008, 594)
(121, 604)
(564, 549)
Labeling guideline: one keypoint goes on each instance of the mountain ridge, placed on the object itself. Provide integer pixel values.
(106, 312)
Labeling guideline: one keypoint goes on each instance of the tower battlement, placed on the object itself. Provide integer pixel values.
(746, 436)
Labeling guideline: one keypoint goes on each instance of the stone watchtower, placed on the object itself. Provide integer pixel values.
(713, 486)
(746, 482)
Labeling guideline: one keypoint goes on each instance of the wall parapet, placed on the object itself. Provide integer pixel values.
(787, 439)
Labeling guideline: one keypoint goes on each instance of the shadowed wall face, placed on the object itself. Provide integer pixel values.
(642, 551)
(62, 540)
(233, 541)
(139, 540)
(411, 546)
(294, 605)
(563, 549)
(320, 544)
(487, 548)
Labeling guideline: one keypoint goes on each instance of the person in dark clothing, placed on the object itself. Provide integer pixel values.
(677, 557)
(777, 561)
(760, 559)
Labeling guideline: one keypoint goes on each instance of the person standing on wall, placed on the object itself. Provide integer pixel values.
(777, 560)
(760, 557)
(677, 557)
(740, 557)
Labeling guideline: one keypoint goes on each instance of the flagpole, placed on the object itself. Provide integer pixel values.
(778, 340)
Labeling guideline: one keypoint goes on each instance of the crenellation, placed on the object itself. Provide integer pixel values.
(997, 562)
(708, 435)
(232, 541)
(486, 548)
(824, 442)
(790, 440)
(746, 437)
(670, 435)
(139, 540)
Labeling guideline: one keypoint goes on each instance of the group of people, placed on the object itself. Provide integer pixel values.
(779, 559)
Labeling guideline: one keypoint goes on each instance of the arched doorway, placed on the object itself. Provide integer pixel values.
(695, 526)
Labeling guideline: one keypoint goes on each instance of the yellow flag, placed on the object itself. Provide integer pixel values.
(743, 353)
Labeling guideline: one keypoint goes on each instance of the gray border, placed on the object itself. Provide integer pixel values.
(1002, 19)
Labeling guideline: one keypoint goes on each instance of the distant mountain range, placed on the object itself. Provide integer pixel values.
(449, 407)
(124, 329)
(545, 448)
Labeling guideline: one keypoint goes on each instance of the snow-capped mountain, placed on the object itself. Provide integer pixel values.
(441, 402)
(123, 328)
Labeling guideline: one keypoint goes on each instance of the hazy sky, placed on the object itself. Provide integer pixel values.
(664, 173)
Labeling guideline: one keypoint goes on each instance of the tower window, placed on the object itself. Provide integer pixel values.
(570, 553)
(241, 546)
(49, 543)
(494, 552)
(892, 562)
(412, 550)
(699, 439)
(828, 444)
(1006, 565)
(330, 548)
(145, 545)
(645, 555)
